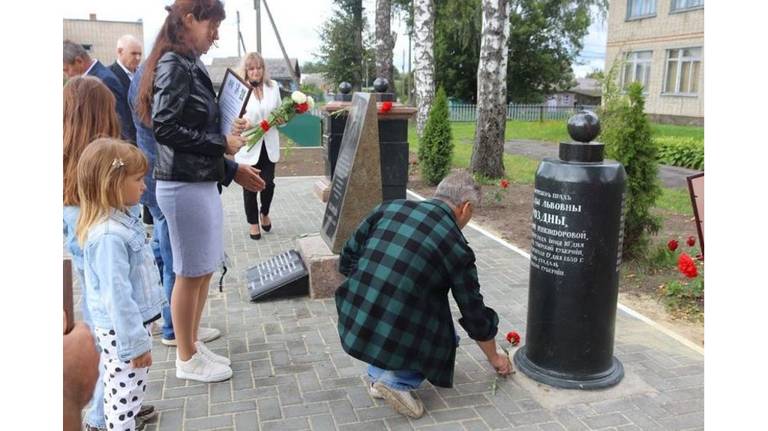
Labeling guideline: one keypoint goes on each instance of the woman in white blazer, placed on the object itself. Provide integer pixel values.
(265, 97)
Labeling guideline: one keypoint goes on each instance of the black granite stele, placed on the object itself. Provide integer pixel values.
(575, 257)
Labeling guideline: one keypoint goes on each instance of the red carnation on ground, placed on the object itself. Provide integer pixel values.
(264, 125)
(385, 107)
(513, 338)
(687, 266)
(504, 183)
(691, 241)
(302, 107)
(672, 244)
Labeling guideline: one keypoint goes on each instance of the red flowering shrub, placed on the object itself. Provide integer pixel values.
(687, 266)
(672, 244)
(691, 241)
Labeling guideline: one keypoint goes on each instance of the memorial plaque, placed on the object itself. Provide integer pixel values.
(282, 276)
(356, 186)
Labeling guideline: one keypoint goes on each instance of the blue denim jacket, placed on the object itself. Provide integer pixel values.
(122, 282)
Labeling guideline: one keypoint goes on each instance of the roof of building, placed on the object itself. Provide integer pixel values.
(277, 68)
(587, 87)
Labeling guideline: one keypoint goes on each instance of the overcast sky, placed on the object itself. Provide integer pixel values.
(298, 22)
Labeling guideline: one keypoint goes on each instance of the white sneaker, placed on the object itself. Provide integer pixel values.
(207, 334)
(208, 353)
(200, 368)
(402, 401)
(374, 392)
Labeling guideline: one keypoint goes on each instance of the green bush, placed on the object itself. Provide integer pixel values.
(680, 151)
(627, 137)
(436, 145)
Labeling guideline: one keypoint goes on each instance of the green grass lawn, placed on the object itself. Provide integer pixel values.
(522, 170)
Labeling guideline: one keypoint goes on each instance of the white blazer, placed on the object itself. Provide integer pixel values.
(255, 111)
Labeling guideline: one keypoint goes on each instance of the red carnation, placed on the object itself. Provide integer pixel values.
(504, 183)
(264, 125)
(691, 241)
(385, 107)
(513, 338)
(302, 107)
(687, 266)
(672, 245)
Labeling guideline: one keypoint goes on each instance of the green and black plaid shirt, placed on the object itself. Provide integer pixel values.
(393, 308)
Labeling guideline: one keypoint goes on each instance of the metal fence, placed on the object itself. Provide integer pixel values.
(522, 112)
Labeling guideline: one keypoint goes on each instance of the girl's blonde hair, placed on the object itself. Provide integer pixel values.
(89, 113)
(251, 58)
(101, 173)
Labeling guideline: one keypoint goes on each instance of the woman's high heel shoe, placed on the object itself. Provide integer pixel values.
(255, 236)
(266, 227)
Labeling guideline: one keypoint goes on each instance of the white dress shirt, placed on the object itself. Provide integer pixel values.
(256, 111)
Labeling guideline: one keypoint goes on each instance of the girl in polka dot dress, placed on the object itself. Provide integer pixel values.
(124, 294)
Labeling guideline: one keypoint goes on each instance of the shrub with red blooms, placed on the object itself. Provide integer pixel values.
(672, 244)
(687, 266)
(691, 241)
(504, 183)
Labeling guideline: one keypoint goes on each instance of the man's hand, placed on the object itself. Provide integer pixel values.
(501, 364)
(81, 365)
(240, 125)
(234, 143)
(248, 177)
(143, 361)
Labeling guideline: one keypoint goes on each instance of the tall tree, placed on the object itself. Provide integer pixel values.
(488, 148)
(341, 44)
(545, 38)
(385, 41)
(424, 70)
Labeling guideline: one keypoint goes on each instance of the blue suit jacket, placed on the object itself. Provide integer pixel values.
(127, 129)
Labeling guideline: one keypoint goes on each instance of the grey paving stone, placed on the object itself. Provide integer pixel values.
(269, 409)
(247, 421)
(305, 410)
(235, 407)
(606, 420)
(293, 424)
(342, 412)
(208, 423)
(196, 407)
(322, 423)
(171, 420)
(492, 417)
(453, 414)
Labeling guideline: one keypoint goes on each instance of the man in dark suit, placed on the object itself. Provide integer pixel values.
(78, 62)
(128, 59)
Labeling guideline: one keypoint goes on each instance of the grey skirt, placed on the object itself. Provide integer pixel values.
(195, 220)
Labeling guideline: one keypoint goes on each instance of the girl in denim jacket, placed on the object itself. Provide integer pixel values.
(124, 294)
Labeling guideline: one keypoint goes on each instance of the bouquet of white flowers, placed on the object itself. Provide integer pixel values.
(298, 103)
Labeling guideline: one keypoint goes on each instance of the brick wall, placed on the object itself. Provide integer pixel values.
(102, 36)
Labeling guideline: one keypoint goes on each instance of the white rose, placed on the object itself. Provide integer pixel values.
(310, 102)
(298, 97)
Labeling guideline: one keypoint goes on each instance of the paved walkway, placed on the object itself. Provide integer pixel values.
(290, 372)
(670, 176)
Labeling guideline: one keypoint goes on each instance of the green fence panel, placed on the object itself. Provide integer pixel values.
(306, 130)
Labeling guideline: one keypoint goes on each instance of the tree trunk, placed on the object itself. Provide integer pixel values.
(488, 150)
(424, 70)
(385, 42)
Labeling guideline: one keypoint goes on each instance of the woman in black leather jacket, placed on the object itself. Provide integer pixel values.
(176, 98)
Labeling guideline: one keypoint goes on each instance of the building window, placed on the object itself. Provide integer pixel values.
(682, 72)
(637, 67)
(641, 8)
(684, 5)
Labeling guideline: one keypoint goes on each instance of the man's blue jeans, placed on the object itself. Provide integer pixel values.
(164, 259)
(403, 380)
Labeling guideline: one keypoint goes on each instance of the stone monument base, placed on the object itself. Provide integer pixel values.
(322, 189)
(322, 264)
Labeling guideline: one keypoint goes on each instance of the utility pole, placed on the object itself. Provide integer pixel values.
(240, 39)
(257, 7)
(282, 48)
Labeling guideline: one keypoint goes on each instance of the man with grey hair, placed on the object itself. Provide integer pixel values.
(128, 59)
(78, 62)
(393, 307)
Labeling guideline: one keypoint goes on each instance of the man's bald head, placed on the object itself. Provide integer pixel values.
(129, 52)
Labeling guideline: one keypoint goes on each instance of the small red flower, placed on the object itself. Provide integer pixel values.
(385, 107)
(691, 241)
(302, 107)
(264, 125)
(504, 183)
(513, 338)
(672, 244)
(687, 266)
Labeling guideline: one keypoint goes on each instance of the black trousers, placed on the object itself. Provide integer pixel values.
(251, 199)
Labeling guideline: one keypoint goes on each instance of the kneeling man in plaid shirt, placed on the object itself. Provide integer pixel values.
(393, 307)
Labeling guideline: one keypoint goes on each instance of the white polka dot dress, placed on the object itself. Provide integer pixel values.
(124, 386)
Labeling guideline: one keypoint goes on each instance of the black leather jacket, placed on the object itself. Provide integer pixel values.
(185, 121)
